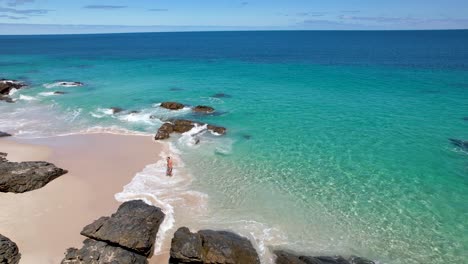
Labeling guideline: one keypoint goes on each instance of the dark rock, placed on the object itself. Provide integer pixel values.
(284, 257)
(134, 112)
(3, 156)
(4, 134)
(116, 110)
(203, 109)
(98, 252)
(20, 177)
(359, 260)
(153, 117)
(172, 105)
(209, 246)
(7, 85)
(459, 143)
(9, 253)
(176, 89)
(164, 131)
(59, 92)
(221, 95)
(182, 126)
(134, 227)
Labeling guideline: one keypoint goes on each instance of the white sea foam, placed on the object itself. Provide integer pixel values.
(27, 98)
(47, 94)
(62, 84)
(13, 91)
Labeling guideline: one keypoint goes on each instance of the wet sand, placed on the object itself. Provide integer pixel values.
(45, 222)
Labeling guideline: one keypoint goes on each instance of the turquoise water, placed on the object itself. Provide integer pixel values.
(331, 149)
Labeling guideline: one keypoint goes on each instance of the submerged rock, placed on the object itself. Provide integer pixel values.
(6, 98)
(116, 110)
(207, 246)
(9, 253)
(459, 143)
(97, 252)
(221, 95)
(203, 109)
(20, 177)
(284, 257)
(69, 84)
(172, 105)
(4, 134)
(465, 118)
(182, 126)
(59, 92)
(134, 227)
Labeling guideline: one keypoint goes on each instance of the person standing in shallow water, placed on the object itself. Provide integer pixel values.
(169, 167)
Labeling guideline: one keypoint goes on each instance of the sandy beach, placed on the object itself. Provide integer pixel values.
(45, 222)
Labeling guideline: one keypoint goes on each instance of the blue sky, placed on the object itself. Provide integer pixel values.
(86, 16)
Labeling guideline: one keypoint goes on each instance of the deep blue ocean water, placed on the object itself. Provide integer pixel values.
(337, 140)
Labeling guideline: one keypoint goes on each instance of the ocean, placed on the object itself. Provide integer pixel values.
(337, 143)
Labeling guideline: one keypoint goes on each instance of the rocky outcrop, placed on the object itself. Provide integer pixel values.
(284, 257)
(7, 85)
(207, 246)
(172, 105)
(97, 252)
(20, 177)
(182, 126)
(9, 253)
(128, 236)
(203, 109)
(134, 226)
(4, 134)
(459, 143)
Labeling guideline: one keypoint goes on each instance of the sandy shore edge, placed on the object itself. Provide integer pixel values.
(45, 222)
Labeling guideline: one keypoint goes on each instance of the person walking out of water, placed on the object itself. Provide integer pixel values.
(169, 167)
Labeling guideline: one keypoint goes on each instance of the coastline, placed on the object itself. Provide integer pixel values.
(45, 222)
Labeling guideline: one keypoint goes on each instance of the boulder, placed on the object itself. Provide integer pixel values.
(133, 227)
(182, 126)
(4, 134)
(98, 252)
(59, 92)
(3, 156)
(69, 84)
(203, 109)
(172, 105)
(208, 246)
(459, 143)
(284, 257)
(9, 253)
(7, 85)
(20, 177)
(164, 131)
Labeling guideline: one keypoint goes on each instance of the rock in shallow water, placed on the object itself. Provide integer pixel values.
(9, 253)
(134, 227)
(7, 85)
(284, 257)
(98, 252)
(172, 105)
(182, 126)
(459, 143)
(203, 109)
(209, 246)
(20, 177)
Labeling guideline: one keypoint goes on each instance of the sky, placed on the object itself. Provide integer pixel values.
(112, 16)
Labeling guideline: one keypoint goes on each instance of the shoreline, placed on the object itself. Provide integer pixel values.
(47, 221)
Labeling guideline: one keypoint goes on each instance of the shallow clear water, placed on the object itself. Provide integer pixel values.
(337, 141)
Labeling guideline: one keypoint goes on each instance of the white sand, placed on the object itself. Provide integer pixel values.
(45, 222)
